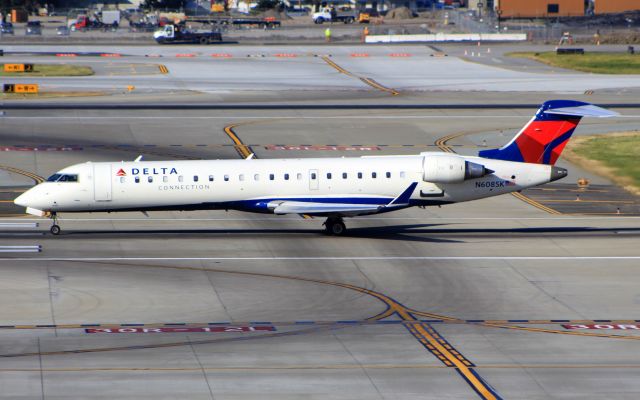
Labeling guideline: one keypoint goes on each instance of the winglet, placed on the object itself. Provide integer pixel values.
(404, 197)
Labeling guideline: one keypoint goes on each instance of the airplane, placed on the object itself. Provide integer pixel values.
(334, 188)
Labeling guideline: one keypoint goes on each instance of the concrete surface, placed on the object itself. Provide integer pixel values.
(409, 305)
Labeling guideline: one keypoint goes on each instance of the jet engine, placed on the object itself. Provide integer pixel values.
(445, 168)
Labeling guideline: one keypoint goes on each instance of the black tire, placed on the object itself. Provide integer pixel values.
(203, 40)
(55, 229)
(335, 227)
(319, 20)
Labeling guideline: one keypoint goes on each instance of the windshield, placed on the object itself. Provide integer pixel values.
(63, 178)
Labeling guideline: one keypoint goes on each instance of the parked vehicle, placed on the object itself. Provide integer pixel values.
(6, 28)
(62, 30)
(33, 28)
(179, 34)
(330, 14)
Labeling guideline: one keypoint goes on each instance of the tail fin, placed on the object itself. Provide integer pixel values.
(542, 140)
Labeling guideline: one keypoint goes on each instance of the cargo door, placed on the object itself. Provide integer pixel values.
(102, 182)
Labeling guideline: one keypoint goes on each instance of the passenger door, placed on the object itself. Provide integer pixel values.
(102, 182)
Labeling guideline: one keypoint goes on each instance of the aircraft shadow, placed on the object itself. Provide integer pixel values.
(411, 232)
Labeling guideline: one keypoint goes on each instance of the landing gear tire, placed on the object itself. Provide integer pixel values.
(55, 228)
(335, 227)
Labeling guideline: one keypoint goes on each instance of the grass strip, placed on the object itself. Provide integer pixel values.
(614, 156)
(598, 63)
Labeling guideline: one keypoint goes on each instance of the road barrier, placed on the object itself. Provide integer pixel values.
(448, 37)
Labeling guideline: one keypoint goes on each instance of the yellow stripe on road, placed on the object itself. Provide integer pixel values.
(368, 81)
(37, 178)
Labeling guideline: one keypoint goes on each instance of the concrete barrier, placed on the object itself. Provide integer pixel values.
(449, 37)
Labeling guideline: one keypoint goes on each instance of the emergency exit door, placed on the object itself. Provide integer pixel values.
(102, 182)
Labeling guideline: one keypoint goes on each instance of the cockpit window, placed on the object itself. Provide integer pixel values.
(63, 178)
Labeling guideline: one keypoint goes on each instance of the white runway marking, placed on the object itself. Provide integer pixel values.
(27, 225)
(347, 258)
(20, 249)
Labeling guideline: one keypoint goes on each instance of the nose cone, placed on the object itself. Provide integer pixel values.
(32, 198)
(24, 200)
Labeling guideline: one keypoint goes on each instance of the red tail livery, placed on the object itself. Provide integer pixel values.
(542, 140)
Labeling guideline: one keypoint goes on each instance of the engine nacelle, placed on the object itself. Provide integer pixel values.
(444, 168)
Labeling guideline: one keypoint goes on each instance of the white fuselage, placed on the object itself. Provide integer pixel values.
(256, 185)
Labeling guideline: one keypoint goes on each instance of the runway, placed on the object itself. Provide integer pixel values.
(530, 297)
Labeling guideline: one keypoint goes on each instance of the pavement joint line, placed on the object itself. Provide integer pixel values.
(336, 258)
(320, 367)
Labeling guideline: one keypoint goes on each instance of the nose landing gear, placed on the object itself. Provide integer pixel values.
(55, 228)
(335, 226)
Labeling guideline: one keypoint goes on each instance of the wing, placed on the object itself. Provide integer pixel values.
(342, 209)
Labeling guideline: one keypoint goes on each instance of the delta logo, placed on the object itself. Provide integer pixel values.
(148, 171)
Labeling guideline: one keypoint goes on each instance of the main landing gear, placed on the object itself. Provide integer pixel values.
(55, 228)
(335, 226)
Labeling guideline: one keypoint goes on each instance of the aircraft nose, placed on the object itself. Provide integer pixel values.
(25, 199)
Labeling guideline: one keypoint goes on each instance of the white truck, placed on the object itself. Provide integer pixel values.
(180, 34)
(328, 14)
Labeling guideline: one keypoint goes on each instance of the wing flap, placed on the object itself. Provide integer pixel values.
(298, 207)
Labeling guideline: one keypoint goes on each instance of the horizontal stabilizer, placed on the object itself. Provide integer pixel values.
(587, 110)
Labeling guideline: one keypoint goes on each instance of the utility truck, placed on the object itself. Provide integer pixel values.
(180, 34)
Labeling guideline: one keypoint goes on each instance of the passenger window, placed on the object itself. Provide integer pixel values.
(388, 174)
(359, 175)
(210, 178)
(122, 179)
(226, 178)
(272, 177)
(402, 174)
(286, 177)
(150, 179)
(137, 179)
(195, 178)
(256, 177)
(328, 175)
(180, 178)
(344, 175)
(299, 176)
(313, 176)
(241, 177)
(374, 175)
(165, 179)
